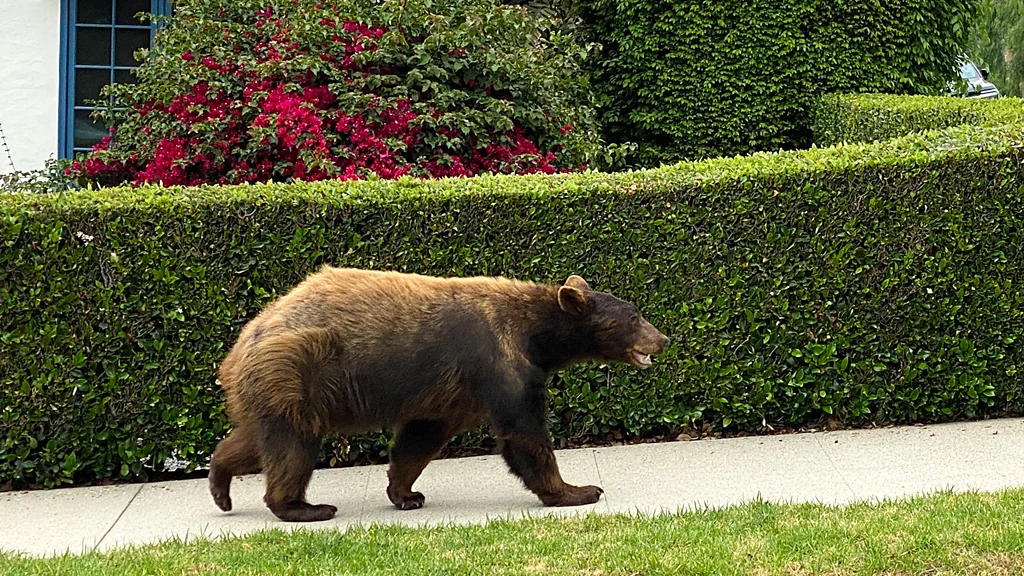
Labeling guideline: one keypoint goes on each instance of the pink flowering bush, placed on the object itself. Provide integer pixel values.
(253, 91)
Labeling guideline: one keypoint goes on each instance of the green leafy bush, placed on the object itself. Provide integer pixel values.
(688, 79)
(52, 178)
(875, 283)
(866, 117)
(252, 91)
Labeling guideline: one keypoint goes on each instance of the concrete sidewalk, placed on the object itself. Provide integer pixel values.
(829, 467)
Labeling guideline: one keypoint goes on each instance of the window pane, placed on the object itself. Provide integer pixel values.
(93, 46)
(93, 12)
(127, 9)
(88, 83)
(124, 77)
(87, 132)
(127, 42)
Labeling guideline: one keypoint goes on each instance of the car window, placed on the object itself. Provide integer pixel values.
(968, 71)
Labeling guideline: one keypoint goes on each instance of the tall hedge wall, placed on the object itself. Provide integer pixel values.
(875, 283)
(838, 118)
(688, 79)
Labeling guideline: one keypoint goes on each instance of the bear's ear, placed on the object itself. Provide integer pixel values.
(572, 300)
(576, 282)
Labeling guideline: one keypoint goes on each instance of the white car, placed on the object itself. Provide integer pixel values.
(978, 85)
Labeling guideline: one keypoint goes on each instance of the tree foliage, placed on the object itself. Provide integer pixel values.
(686, 79)
(997, 42)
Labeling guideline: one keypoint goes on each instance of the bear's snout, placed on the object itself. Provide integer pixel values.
(665, 341)
(659, 342)
(650, 343)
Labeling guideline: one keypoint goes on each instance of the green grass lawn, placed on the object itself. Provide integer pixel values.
(944, 533)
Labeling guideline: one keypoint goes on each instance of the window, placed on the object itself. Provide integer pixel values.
(968, 71)
(98, 38)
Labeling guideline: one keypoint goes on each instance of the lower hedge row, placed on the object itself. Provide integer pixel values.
(839, 118)
(874, 283)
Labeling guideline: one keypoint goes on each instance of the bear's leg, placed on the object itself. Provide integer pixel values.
(532, 458)
(289, 458)
(519, 416)
(237, 454)
(416, 444)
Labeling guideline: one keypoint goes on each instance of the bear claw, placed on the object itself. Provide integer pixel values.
(413, 501)
(578, 496)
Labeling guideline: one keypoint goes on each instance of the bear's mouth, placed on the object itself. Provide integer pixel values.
(639, 359)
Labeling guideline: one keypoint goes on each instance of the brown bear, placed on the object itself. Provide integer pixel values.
(350, 351)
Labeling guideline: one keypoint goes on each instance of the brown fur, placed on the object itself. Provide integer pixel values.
(351, 351)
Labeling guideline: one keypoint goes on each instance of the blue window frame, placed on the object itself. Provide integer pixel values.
(98, 38)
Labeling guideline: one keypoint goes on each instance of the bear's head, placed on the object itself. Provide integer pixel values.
(614, 328)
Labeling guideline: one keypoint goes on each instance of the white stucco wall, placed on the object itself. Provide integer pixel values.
(29, 80)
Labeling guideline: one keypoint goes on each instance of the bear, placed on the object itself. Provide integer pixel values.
(349, 351)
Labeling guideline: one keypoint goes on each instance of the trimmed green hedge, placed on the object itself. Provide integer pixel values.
(839, 118)
(689, 79)
(877, 283)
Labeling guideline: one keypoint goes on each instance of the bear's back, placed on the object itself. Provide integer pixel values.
(379, 316)
(350, 300)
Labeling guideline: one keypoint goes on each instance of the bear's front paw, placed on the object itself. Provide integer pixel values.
(413, 501)
(577, 496)
(405, 500)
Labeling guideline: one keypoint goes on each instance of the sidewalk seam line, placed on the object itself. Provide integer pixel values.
(366, 493)
(835, 468)
(118, 519)
(600, 479)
